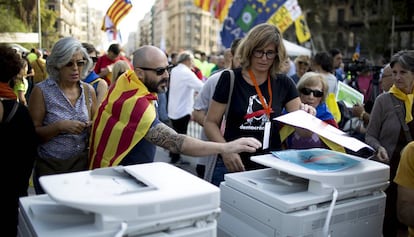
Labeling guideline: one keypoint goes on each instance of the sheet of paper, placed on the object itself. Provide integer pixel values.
(302, 119)
(349, 95)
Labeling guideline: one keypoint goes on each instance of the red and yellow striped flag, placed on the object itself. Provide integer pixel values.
(219, 8)
(121, 121)
(116, 12)
(222, 9)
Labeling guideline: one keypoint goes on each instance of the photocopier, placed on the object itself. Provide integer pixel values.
(287, 200)
(151, 200)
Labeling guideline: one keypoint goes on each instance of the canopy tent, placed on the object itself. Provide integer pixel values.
(294, 50)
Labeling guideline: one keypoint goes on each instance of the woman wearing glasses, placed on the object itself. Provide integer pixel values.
(61, 108)
(312, 88)
(260, 94)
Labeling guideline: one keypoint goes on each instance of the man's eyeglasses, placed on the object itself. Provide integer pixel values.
(307, 91)
(269, 54)
(79, 63)
(303, 63)
(159, 70)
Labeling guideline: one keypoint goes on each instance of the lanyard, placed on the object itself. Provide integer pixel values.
(267, 108)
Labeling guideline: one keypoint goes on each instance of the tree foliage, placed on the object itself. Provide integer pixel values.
(22, 16)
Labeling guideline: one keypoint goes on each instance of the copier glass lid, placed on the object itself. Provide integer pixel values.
(124, 191)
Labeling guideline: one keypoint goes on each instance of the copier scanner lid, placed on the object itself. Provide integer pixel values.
(364, 172)
(132, 192)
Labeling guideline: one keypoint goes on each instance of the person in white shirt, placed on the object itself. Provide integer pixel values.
(183, 85)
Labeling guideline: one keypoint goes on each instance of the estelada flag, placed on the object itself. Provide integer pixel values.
(116, 12)
(122, 120)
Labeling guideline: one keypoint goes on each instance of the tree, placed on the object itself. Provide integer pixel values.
(21, 16)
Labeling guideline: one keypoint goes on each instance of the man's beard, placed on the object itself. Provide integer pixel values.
(156, 87)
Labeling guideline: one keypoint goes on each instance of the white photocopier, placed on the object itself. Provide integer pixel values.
(288, 200)
(152, 200)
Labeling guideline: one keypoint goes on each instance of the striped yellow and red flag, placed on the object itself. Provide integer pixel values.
(116, 12)
(222, 9)
(219, 8)
(122, 120)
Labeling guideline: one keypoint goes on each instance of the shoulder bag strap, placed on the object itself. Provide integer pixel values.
(230, 92)
(12, 112)
(400, 115)
(88, 106)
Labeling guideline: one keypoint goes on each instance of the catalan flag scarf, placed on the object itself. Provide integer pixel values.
(122, 120)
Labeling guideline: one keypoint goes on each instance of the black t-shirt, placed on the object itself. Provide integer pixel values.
(246, 117)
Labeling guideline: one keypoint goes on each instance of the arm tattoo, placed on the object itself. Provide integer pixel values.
(164, 136)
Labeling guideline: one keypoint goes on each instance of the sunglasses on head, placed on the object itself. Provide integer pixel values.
(79, 63)
(307, 91)
(159, 70)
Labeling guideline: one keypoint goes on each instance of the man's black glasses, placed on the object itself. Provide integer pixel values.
(307, 91)
(269, 54)
(79, 63)
(159, 70)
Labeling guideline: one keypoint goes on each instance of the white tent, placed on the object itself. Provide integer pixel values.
(294, 50)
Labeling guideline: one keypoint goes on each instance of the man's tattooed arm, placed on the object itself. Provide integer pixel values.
(164, 136)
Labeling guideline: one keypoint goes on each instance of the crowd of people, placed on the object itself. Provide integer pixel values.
(76, 110)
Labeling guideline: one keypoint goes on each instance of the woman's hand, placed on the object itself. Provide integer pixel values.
(73, 126)
(233, 162)
(308, 109)
(230, 156)
(382, 155)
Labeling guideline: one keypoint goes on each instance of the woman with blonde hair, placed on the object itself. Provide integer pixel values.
(302, 65)
(260, 93)
(119, 67)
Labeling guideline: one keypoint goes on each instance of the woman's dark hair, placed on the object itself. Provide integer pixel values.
(10, 63)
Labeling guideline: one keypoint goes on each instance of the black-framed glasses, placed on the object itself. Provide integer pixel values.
(303, 63)
(79, 63)
(269, 54)
(159, 70)
(307, 91)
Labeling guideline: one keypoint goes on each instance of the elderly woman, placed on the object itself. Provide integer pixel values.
(61, 108)
(302, 65)
(391, 125)
(313, 89)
